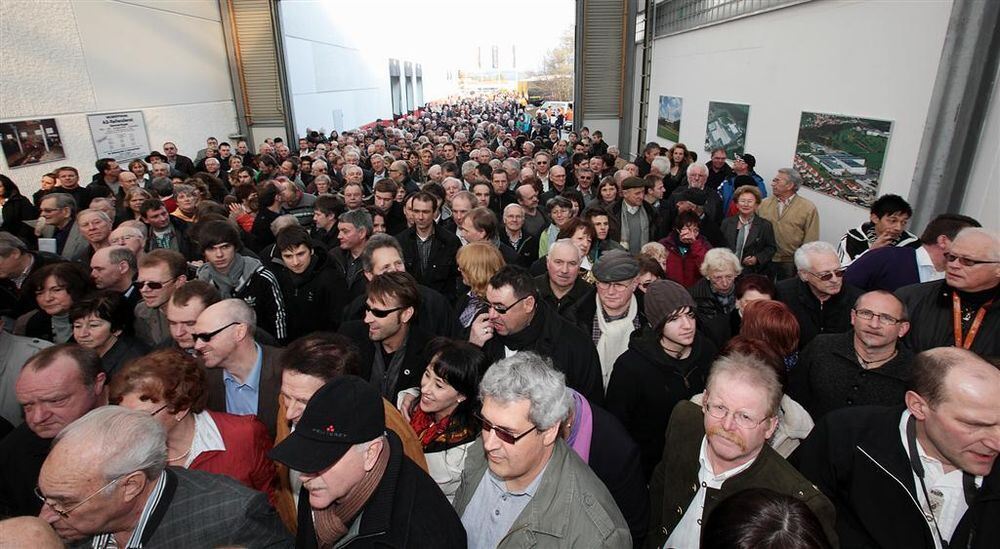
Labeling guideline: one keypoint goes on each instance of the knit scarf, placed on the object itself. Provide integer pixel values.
(334, 521)
(239, 272)
(614, 336)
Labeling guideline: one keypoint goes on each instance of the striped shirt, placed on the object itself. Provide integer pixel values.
(107, 541)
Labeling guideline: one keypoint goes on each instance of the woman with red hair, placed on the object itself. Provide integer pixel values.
(773, 322)
(172, 387)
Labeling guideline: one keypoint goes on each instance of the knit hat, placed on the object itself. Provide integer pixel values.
(664, 298)
(615, 266)
(748, 158)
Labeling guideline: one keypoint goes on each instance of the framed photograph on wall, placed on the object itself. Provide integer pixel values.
(842, 156)
(27, 142)
(668, 123)
(727, 127)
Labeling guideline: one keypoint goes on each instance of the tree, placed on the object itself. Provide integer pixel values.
(556, 79)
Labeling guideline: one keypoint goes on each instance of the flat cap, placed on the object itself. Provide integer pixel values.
(615, 266)
(634, 183)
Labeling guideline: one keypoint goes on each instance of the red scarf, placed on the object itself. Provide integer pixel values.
(427, 429)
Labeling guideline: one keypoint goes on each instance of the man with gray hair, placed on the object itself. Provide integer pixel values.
(115, 268)
(95, 226)
(795, 219)
(17, 263)
(59, 211)
(818, 296)
(720, 448)
(561, 286)
(536, 490)
(106, 484)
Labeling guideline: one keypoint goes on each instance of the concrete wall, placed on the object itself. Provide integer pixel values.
(64, 60)
(842, 57)
(982, 201)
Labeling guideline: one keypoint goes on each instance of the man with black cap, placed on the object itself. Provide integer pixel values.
(638, 219)
(743, 166)
(357, 484)
(695, 194)
(620, 308)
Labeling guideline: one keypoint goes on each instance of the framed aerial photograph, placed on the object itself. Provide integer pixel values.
(28, 142)
(727, 127)
(668, 123)
(842, 156)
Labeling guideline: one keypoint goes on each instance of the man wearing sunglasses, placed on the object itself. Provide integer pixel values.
(818, 296)
(721, 448)
(160, 273)
(535, 489)
(963, 309)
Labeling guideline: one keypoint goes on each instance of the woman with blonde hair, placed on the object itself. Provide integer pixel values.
(477, 263)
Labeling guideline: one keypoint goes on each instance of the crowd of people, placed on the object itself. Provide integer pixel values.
(459, 328)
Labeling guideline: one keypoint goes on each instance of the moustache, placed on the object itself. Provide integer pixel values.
(731, 437)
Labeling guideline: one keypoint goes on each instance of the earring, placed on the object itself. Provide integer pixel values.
(178, 418)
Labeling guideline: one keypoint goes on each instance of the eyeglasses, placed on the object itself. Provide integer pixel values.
(158, 410)
(140, 284)
(64, 513)
(839, 273)
(502, 434)
(205, 337)
(503, 309)
(965, 261)
(742, 419)
(382, 313)
(884, 318)
(621, 286)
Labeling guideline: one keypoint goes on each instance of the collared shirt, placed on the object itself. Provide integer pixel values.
(493, 509)
(107, 541)
(19, 280)
(242, 397)
(947, 494)
(784, 204)
(925, 267)
(687, 534)
(207, 437)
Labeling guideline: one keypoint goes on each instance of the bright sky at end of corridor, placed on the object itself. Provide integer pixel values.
(450, 31)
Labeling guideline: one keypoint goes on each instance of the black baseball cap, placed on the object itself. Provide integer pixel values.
(346, 411)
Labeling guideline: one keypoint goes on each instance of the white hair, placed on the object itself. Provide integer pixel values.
(696, 167)
(568, 242)
(993, 249)
(662, 165)
(720, 259)
(809, 249)
(127, 440)
(527, 376)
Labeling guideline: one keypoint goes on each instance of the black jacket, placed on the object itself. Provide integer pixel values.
(713, 320)
(121, 353)
(442, 267)
(526, 249)
(646, 384)
(434, 314)
(614, 458)
(584, 310)
(657, 224)
(315, 298)
(184, 244)
(13, 301)
(406, 510)
(415, 358)
(16, 210)
(262, 293)
(931, 324)
(572, 351)
(831, 317)
(759, 243)
(561, 305)
(356, 287)
(22, 453)
(856, 457)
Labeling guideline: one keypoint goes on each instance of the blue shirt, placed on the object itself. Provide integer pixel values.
(493, 510)
(242, 398)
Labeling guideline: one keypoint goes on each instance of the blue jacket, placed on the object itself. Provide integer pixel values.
(728, 186)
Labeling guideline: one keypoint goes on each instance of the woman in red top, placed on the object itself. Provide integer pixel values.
(686, 249)
(172, 387)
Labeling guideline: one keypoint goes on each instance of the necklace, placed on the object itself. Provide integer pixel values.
(180, 457)
(868, 364)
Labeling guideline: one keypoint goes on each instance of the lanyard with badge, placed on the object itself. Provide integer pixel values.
(956, 306)
(968, 481)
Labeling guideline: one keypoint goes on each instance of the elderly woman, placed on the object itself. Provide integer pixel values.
(582, 234)
(99, 323)
(477, 263)
(56, 288)
(172, 387)
(715, 294)
(749, 236)
(686, 249)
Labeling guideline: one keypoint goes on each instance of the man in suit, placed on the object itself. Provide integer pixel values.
(244, 377)
(59, 211)
(178, 163)
(115, 268)
(105, 483)
(429, 251)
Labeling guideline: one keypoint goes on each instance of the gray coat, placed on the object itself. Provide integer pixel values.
(14, 352)
(76, 248)
(572, 507)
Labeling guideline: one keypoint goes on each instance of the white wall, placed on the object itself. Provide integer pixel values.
(871, 59)
(337, 59)
(64, 60)
(982, 201)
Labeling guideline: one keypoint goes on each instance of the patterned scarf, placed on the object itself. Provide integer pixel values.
(429, 431)
(334, 521)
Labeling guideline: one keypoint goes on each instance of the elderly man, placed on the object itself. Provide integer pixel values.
(59, 210)
(933, 463)
(354, 228)
(885, 228)
(307, 364)
(55, 387)
(818, 296)
(561, 286)
(514, 235)
(115, 268)
(357, 484)
(183, 309)
(518, 320)
(15, 352)
(961, 310)
(353, 190)
(95, 226)
(611, 312)
(399, 172)
(161, 272)
(17, 263)
(864, 366)
(695, 195)
(295, 202)
(105, 484)
(535, 220)
(130, 236)
(720, 448)
(178, 163)
(521, 483)
(429, 251)
(639, 221)
(795, 219)
(557, 184)
(243, 375)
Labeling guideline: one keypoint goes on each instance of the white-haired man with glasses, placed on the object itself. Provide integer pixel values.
(536, 490)
(720, 448)
(105, 484)
(818, 296)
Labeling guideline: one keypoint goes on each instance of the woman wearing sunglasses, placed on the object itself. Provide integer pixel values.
(171, 386)
(444, 414)
(99, 323)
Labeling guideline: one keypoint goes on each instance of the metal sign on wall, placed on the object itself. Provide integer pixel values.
(119, 135)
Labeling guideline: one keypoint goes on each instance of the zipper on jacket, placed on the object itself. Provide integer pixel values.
(903, 486)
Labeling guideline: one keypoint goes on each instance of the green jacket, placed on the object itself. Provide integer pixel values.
(671, 495)
(572, 507)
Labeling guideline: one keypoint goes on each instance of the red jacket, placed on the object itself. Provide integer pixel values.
(684, 269)
(245, 458)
